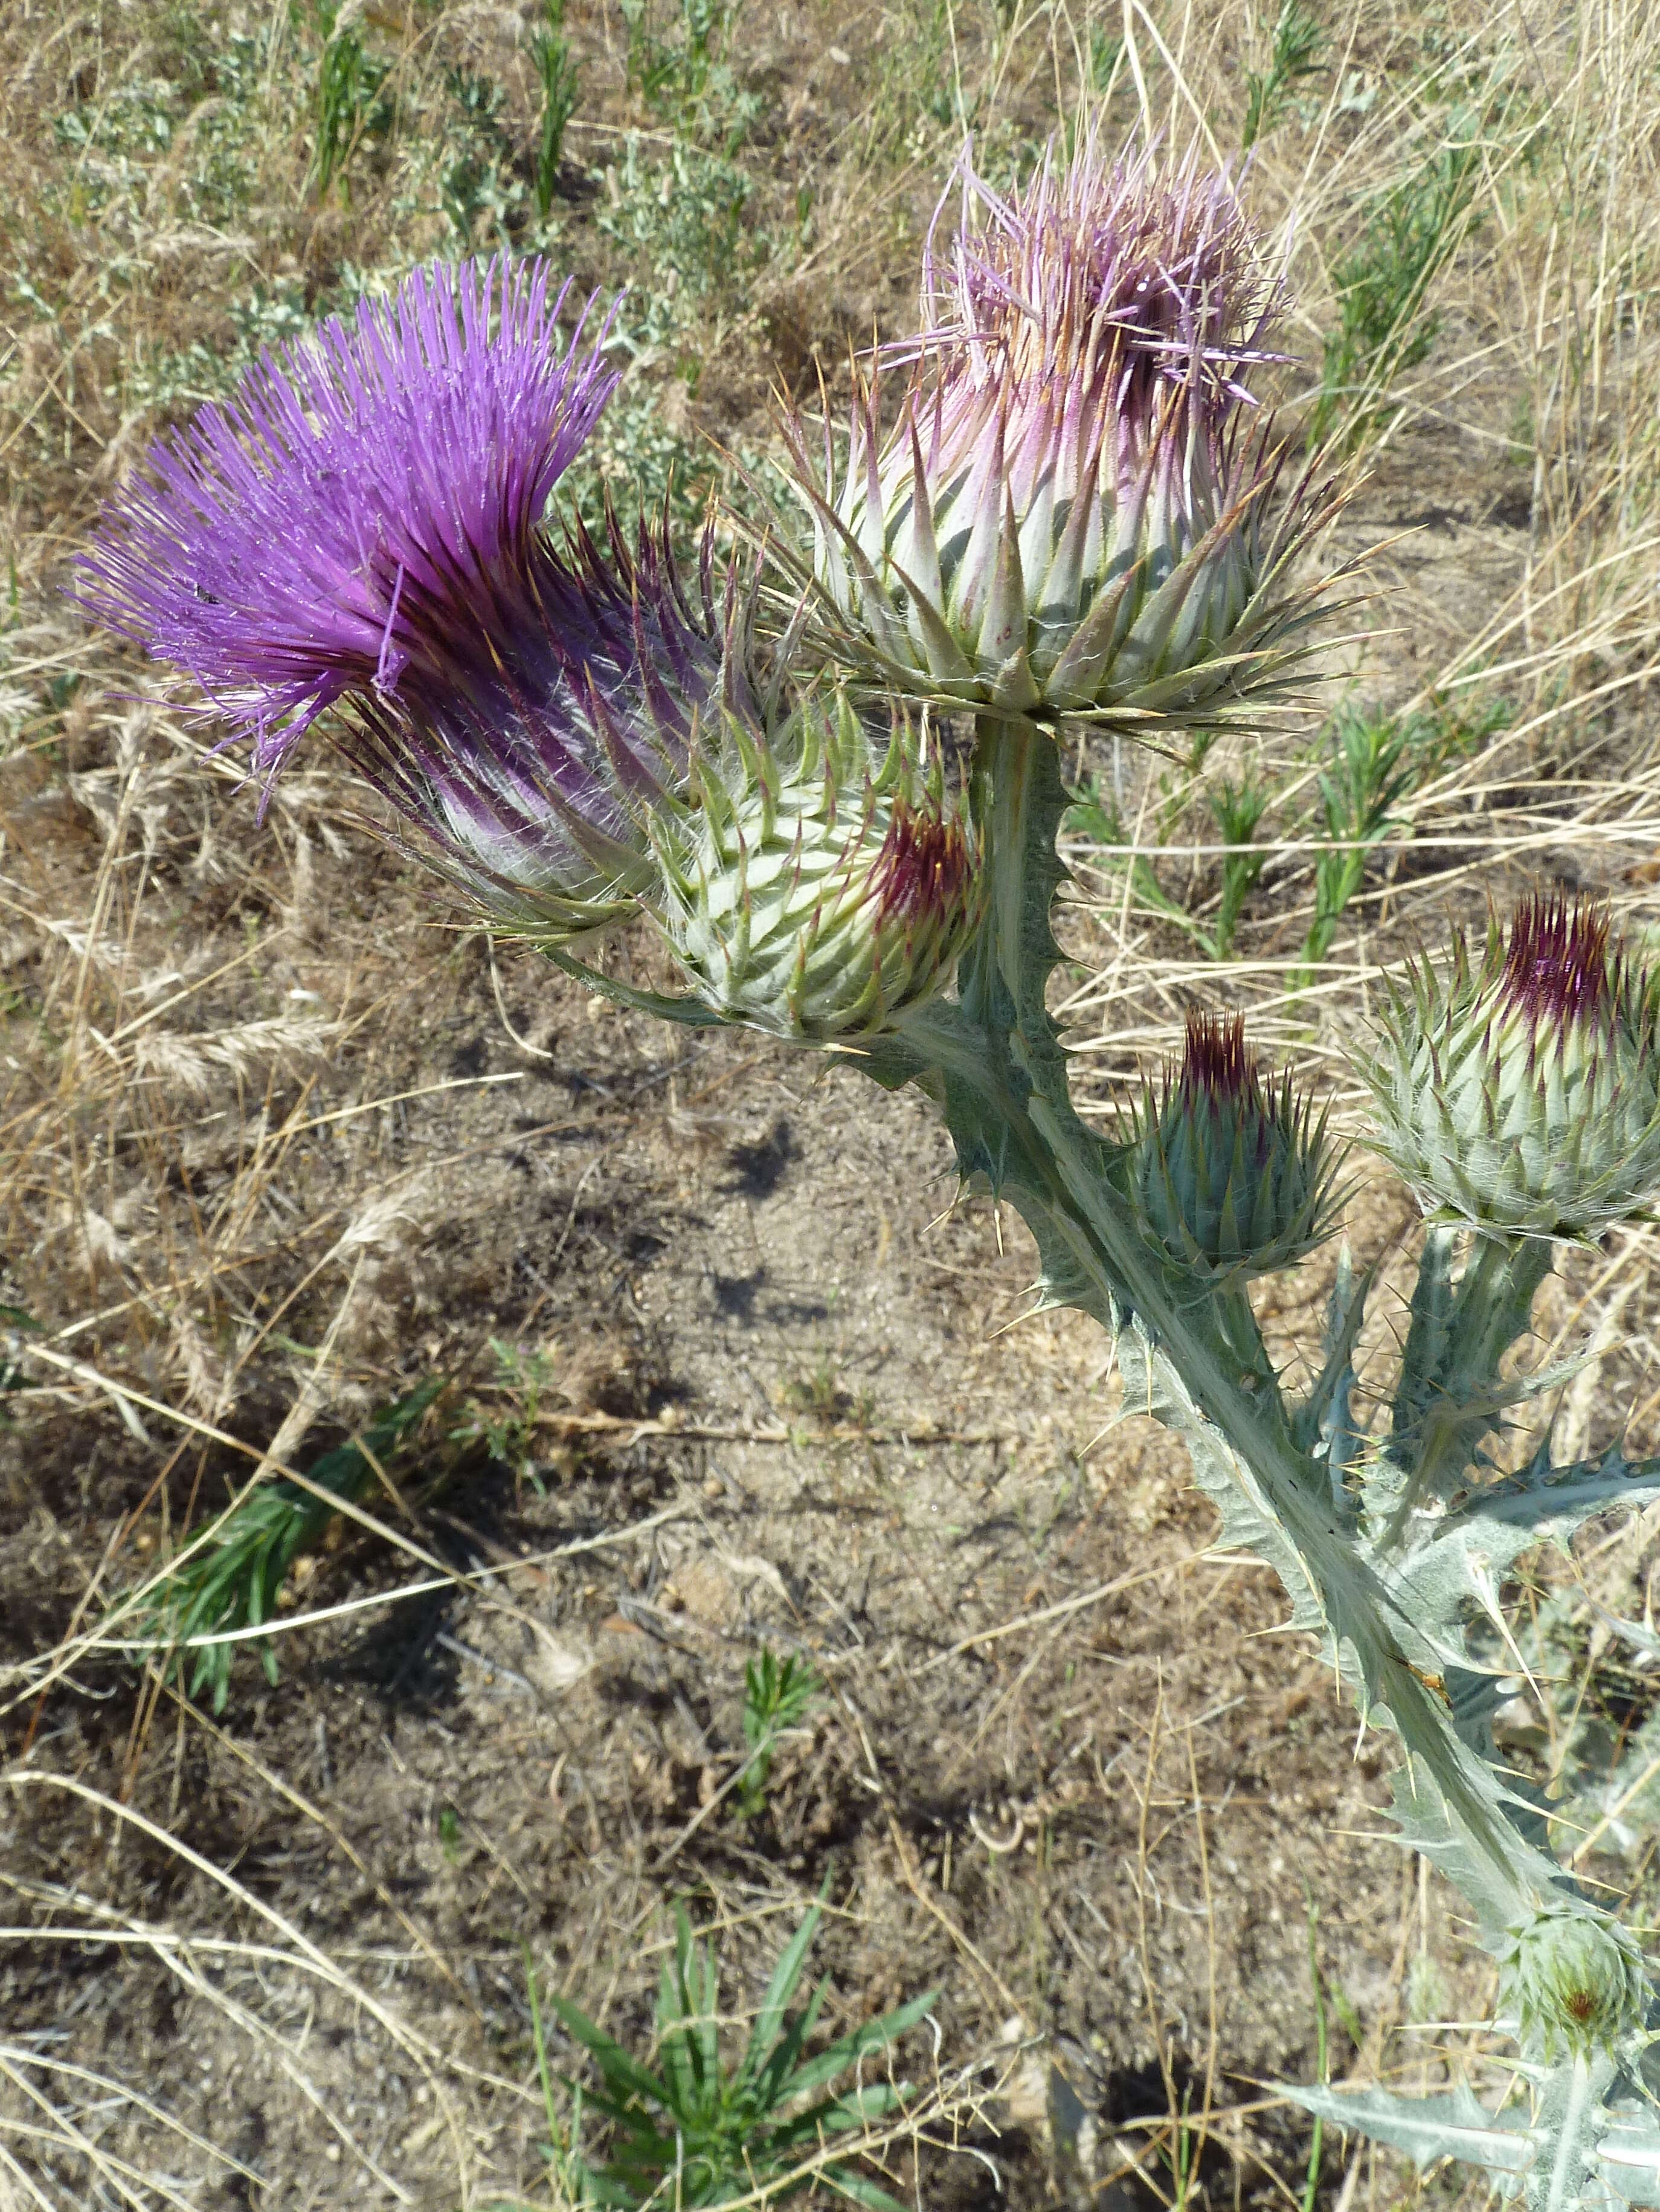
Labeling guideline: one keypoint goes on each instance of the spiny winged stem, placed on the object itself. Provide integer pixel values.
(1360, 1559)
(1010, 1111)
(1449, 1393)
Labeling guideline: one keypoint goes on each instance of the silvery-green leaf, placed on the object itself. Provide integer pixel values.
(1426, 2128)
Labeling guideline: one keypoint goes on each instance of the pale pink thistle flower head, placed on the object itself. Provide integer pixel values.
(362, 527)
(1081, 509)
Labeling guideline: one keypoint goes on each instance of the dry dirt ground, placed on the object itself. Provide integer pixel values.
(729, 1364)
(1061, 1771)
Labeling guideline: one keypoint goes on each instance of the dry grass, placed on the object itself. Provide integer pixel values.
(268, 1121)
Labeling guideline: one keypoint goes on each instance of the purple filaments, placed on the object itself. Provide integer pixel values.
(1557, 973)
(362, 525)
(534, 738)
(294, 544)
(926, 869)
(1149, 281)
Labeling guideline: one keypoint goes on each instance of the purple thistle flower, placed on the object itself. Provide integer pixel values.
(1162, 276)
(1558, 968)
(1076, 512)
(361, 527)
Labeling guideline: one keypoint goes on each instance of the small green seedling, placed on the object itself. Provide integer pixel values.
(1238, 810)
(1383, 327)
(1296, 53)
(561, 81)
(232, 1581)
(777, 1694)
(507, 1430)
(1368, 775)
(696, 2132)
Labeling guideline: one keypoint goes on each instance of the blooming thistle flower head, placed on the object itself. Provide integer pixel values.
(1073, 512)
(1221, 1170)
(1569, 1979)
(819, 887)
(1520, 1092)
(360, 527)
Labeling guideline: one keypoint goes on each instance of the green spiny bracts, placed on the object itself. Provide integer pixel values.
(1571, 1981)
(1224, 1170)
(819, 887)
(1520, 1093)
(1077, 511)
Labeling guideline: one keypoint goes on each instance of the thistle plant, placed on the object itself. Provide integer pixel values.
(1078, 512)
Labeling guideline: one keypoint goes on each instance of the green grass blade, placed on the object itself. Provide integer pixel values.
(618, 2070)
(779, 1990)
(836, 2116)
(860, 2190)
(874, 2035)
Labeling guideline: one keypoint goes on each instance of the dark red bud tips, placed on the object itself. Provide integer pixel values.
(1224, 1173)
(1557, 969)
(1218, 1066)
(927, 866)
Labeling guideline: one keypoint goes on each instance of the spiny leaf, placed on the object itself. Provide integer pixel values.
(1425, 2128)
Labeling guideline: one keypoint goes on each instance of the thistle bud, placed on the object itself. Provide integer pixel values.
(1521, 1093)
(818, 888)
(1072, 514)
(1223, 1171)
(361, 528)
(1570, 1979)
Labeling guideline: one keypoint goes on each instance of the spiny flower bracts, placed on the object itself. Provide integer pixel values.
(1570, 1979)
(1520, 1091)
(1075, 512)
(1224, 1173)
(821, 886)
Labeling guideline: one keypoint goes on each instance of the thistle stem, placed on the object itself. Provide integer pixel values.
(999, 1060)
(1450, 1394)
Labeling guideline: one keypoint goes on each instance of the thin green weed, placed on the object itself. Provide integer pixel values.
(677, 65)
(1385, 325)
(694, 2130)
(1238, 810)
(1298, 48)
(353, 104)
(1374, 763)
(1343, 794)
(505, 1424)
(560, 81)
(778, 1695)
(233, 1581)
